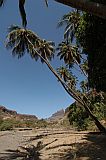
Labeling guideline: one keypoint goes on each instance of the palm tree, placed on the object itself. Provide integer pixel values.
(63, 73)
(46, 49)
(69, 54)
(84, 86)
(21, 40)
(94, 8)
(67, 76)
(84, 66)
(17, 41)
(71, 21)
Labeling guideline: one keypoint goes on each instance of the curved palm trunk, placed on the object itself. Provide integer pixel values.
(71, 92)
(22, 12)
(97, 123)
(96, 9)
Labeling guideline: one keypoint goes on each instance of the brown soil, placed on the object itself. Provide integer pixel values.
(52, 144)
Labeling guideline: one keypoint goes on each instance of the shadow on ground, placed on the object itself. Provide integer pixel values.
(94, 148)
(91, 147)
(23, 153)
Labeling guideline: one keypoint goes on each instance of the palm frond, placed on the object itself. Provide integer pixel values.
(63, 73)
(61, 23)
(71, 21)
(21, 40)
(67, 76)
(64, 20)
(13, 28)
(69, 53)
(17, 41)
(46, 49)
(84, 66)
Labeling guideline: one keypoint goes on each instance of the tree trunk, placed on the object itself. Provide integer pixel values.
(94, 8)
(72, 93)
(97, 123)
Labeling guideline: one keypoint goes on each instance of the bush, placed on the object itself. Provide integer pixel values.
(30, 123)
(9, 124)
(6, 125)
(41, 123)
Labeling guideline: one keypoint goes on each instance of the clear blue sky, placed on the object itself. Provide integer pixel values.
(25, 85)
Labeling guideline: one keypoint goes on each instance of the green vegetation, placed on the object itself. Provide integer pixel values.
(79, 118)
(42, 124)
(86, 33)
(91, 35)
(6, 125)
(9, 124)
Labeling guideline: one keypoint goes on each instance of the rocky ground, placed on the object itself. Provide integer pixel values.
(52, 144)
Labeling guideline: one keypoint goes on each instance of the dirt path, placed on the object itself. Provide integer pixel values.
(49, 144)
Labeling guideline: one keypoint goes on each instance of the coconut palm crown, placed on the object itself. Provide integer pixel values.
(63, 73)
(68, 53)
(21, 40)
(67, 76)
(71, 21)
(46, 49)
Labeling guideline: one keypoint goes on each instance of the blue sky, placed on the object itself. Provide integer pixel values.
(25, 85)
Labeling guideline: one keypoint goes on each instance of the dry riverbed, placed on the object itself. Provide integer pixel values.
(52, 144)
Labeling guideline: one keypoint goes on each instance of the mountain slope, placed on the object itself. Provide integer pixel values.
(9, 114)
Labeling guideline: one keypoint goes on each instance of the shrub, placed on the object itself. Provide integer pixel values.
(41, 123)
(6, 125)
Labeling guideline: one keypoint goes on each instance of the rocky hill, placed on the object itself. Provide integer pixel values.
(9, 114)
(57, 115)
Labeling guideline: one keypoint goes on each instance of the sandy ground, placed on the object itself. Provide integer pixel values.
(52, 144)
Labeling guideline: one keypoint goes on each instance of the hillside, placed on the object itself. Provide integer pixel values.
(47, 142)
(57, 115)
(10, 114)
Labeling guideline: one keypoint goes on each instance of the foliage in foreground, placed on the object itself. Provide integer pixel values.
(79, 118)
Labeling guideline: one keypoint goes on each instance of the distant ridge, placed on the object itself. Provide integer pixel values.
(9, 114)
(57, 115)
